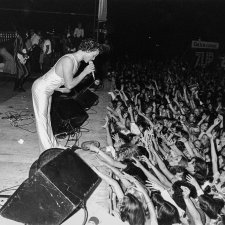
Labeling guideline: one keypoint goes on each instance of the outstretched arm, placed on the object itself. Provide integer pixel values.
(111, 182)
(107, 158)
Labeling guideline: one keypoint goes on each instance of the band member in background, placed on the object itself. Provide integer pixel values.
(78, 34)
(36, 50)
(20, 57)
(46, 53)
(61, 77)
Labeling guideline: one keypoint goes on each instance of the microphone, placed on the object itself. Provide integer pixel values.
(93, 73)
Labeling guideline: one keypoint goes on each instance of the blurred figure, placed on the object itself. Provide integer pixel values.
(8, 65)
(36, 50)
(46, 53)
(20, 57)
(78, 34)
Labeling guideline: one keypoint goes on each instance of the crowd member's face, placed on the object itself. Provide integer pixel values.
(127, 122)
(135, 140)
(209, 94)
(197, 144)
(164, 112)
(191, 166)
(176, 107)
(153, 116)
(148, 110)
(185, 109)
(179, 176)
(169, 124)
(204, 139)
(125, 115)
(174, 160)
(159, 127)
(191, 118)
(161, 107)
(181, 104)
(210, 106)
(118, 144)
(197, 112)
(119, 104)
(204, 127)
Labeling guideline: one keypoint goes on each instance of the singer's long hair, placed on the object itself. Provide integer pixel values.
(89, 45)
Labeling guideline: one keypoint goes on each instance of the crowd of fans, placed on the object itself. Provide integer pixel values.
(165, 134)
(166, 144)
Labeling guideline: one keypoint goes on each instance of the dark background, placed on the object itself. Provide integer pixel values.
(158, 28)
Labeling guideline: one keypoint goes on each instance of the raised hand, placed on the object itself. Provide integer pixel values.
(116, 138)
(204, 116)
(153, 185)
(217, 121)
(191, 180)
(220, 117)
(182, 139)
(118, 110)
(170, 143)
(129, 177)
(137, 163)
(138, 94)
(143, 158)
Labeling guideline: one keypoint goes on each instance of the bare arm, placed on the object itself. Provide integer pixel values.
(163, 168)
(107, 158)
(160, 176)
(67, 71)
(111, 182)
(146, 172)
(108, 134)
(139, 187)
(214, 156)
(118, 174)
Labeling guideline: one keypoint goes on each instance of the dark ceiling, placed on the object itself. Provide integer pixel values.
(137, 20)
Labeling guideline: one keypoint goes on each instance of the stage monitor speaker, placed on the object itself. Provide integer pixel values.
(66, 115)
(86, 99)
(54, 192)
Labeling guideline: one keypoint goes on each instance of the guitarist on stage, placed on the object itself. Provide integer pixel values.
(20, 57)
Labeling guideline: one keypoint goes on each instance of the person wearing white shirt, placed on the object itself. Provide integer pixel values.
(78, 34)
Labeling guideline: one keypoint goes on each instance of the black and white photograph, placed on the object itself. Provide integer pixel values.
(112, 112)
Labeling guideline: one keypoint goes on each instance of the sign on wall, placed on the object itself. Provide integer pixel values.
(204, 52)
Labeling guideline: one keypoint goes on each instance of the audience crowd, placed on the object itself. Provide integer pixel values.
(165, 133)
(165, 144)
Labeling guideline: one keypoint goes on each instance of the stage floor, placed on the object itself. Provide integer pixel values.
(19, 145)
